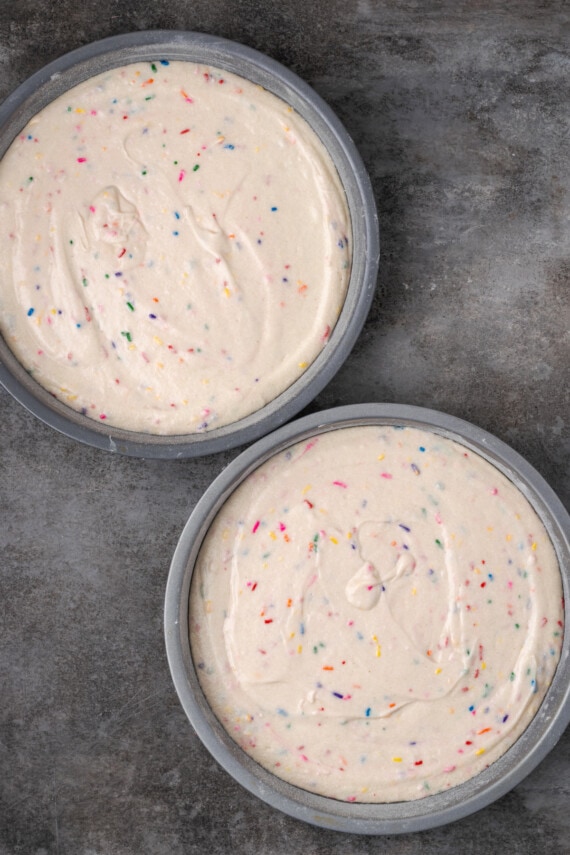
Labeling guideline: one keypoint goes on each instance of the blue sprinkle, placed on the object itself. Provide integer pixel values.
(421, 448)
(230, 146)
(281, 711)
(302, 628)
(367, 712)
(471, 708)
(164, 62)
(177, 215)
(30, 137)
(359, 636)
(274, 208)
(30, 312)
(78, 326)
(175, 234)
(490, 576)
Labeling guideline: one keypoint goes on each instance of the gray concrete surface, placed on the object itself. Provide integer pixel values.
(460, 111)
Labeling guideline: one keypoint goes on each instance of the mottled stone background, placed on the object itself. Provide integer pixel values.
(460, 110)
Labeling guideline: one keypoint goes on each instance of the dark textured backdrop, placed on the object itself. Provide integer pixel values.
(461, 113)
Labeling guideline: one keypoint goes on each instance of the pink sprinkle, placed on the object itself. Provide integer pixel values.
(81, 159)
(102, 416)
(544, 621)
(181, 175)
(282, 526)
(438, 519)
(255, 527)
(494, 491)
(351, 799)
(339, 484)
(385, 475)
(450, 769)
(92, 209)
(305, 758)
(509, 585)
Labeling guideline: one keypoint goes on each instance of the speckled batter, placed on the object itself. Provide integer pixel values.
(175, 247)
(376, 614)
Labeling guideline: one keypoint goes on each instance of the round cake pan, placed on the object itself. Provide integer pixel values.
(387, 818)
(75, 67)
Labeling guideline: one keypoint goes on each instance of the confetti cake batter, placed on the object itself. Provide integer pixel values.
(175, 247)
(376, 614)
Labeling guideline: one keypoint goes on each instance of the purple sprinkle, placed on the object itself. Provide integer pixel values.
(153, 317)
(337, 695)
(405, 527)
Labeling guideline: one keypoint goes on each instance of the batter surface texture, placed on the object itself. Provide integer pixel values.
(376, 614)
(175, 247)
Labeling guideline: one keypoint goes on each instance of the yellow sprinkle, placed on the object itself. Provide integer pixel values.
(208, 607)
(272, 535)
(349, 534)
(157, 340)
(414, 591)
(133, 347)
(160, 364)
(79, 110)
(364, 789)
(306, 490)
(483, 666)
(438, 670)
(292, 635)
(333, 540)
(227, 292)
(480, 751)
(509, 537)
(533, 546)
(381, 456)
(478, 570)
(300, 648)
(397, 759)
(490, 528)
(54, 311)
(303, 364)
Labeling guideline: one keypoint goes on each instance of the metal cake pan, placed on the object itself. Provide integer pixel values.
(458, 802)
(75, 67)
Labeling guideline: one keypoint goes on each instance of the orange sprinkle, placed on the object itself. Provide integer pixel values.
(289, 603)
(328, 668)
(148, 82)
(485, 730)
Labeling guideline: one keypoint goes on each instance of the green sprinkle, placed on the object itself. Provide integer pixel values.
(196, 167)
(71, 241)
(127, 335)
(131, 307)
(143, 172)
(315, 649)
(439, 543)
(153, 66)
(149, 97)
(85, 282)
(517, 626)
(512, 677)
(107, 276)
(69, 109)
